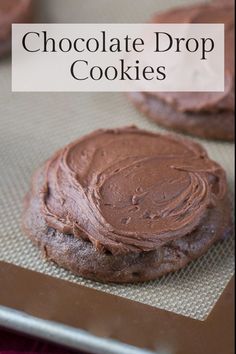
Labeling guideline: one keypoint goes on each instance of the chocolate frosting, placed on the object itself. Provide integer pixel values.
(128, 190)
(215, 12)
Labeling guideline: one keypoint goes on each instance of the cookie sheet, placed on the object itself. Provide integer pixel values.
(34, 125)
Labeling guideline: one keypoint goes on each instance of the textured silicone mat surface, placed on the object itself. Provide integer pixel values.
(33, 126)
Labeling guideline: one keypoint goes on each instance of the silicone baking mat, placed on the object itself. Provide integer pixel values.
(34, 125)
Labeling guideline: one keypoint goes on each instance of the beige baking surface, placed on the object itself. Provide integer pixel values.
(33, 126)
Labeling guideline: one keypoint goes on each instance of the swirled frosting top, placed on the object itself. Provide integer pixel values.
(128, 190)
(219, 11)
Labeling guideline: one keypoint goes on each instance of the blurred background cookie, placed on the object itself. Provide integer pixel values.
(204, 114)
(12, 11)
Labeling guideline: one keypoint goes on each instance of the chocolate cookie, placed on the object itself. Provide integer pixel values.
(204, 114)
(12, 11)
(126, 205)
(218, 125)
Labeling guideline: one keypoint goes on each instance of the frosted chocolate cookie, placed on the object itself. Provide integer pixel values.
(204, 114)
(127, 205)
(12, 11)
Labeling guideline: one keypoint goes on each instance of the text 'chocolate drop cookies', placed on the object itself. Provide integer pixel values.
(12, 11)
(127, 205)
(205, 114)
